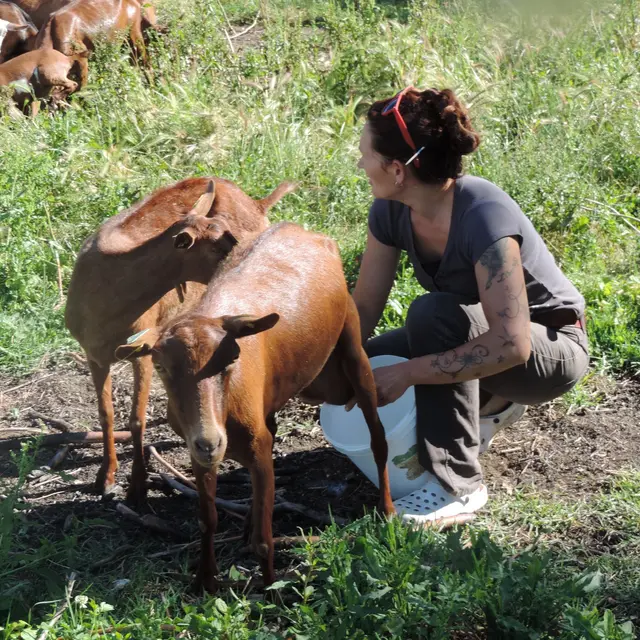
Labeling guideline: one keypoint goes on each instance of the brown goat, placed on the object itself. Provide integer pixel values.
(226, 373)
(40, 10)
(48, 72)
(73, 28)
(132, 274)
(17, 33)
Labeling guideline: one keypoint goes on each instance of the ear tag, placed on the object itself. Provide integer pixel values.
(135, 336)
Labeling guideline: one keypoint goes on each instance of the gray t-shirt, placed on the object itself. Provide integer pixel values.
(482, 214)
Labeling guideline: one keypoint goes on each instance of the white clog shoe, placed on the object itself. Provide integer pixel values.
(432, 503)
(490, 425)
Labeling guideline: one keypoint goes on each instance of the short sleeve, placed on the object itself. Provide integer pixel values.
(383, 224)
(486, 223)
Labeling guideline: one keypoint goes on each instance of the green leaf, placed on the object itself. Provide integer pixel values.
(279, 584)
(589, 582)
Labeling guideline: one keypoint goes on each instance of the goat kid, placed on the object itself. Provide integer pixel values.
(132, 276)
(227, 373)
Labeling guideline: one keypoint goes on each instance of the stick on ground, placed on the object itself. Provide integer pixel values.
(150, 522)
(71, 581)
(56, 423)
(227, 505)
(154, 454)
(79, 439)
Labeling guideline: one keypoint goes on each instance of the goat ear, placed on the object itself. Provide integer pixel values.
(226, 354)
(132, 351)
(185, 239)
(205, 201)
(10, 26)
(241, 326)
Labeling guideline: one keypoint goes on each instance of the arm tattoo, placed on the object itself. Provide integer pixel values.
(508, 340)
(494, 261)
(453, 362)
(514, 308)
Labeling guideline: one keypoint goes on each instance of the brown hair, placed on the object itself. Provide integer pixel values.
(437, 121)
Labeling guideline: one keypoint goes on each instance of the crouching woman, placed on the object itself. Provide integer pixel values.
(501, 327)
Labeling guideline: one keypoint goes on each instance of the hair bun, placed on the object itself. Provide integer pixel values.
(454, 119)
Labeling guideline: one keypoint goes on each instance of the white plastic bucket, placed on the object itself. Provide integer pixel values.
(349, 434)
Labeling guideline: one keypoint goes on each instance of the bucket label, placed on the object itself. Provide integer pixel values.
(409, 461)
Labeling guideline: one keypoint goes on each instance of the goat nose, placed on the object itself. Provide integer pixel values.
(205, 447)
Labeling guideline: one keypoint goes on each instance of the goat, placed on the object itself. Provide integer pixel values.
(131, 275)
(48, 72)
(17, 33)
(73, 28)
(40, 10)
(226, 373)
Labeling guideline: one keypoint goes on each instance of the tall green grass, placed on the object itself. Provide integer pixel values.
(556, 99)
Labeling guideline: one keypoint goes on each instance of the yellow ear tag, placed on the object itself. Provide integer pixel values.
(135, 336)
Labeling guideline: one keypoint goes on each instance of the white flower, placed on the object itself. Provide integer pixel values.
(81, 601)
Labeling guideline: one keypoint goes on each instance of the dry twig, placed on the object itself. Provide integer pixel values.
(30, 382)
(56, 423)
(154, 454)
(79, 439)
(149, 521)
(245, 31)
(55, 462)
(71, 581)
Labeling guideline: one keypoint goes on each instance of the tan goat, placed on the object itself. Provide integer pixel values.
(139, 270)
(227, 373)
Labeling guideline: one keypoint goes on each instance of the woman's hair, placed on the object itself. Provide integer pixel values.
(437, 121)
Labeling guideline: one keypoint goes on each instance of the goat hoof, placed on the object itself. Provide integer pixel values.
(105, 481)
(205, 581)
(137, 493)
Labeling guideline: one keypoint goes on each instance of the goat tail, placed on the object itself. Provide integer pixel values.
(280, 191)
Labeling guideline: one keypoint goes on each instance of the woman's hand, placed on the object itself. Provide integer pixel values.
(391, 383)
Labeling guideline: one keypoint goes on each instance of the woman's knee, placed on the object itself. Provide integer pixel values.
(436, 322)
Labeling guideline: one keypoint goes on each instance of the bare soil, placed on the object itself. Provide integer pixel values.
(567, 453)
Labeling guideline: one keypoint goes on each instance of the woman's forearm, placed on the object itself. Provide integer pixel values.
(483, 356)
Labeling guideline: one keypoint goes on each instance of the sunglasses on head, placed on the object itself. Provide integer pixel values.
(393, 106)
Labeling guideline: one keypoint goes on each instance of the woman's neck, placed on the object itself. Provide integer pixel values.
(429, 201)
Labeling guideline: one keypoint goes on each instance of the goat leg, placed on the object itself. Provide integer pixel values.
(142, 372)
(105, 480)
(358, 370)
(208, 569)
(264, 491)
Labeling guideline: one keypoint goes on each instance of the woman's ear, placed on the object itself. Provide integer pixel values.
(399, 172)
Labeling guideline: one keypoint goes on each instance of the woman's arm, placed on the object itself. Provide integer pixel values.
(377, 272)
(507, 343)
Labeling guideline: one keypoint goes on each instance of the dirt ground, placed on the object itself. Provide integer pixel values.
(552, 449)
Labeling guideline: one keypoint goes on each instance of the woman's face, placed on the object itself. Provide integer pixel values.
(381, 173)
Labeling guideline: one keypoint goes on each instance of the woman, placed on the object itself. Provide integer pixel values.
(501, 328)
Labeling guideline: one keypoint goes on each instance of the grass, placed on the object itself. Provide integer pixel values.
(556, 100)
